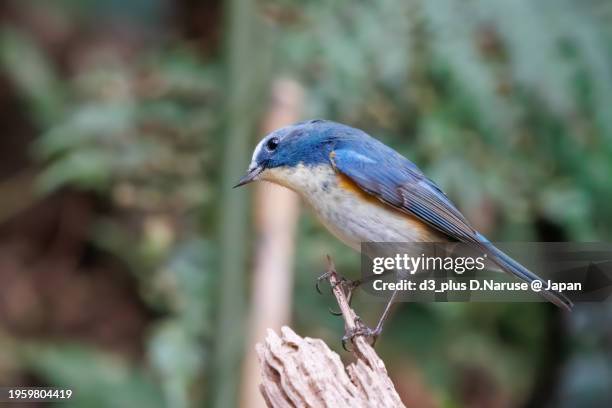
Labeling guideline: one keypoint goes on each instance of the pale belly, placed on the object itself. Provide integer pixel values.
(349, 215)
(354, 220)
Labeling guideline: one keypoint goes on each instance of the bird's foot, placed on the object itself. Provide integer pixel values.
(348, 287)
(362, 330)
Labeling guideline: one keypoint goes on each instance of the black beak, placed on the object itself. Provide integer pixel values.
(249, 177)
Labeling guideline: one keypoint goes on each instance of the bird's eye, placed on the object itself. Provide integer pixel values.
(272, 144)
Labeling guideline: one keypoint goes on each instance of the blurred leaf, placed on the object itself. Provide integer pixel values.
(32, 74)
(86, 169)
(93, 124)
(177, 358)
(97, 379)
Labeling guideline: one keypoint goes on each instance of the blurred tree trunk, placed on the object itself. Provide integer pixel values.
(248, 50)
(276, 216)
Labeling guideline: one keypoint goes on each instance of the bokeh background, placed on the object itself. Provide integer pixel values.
(131, 272)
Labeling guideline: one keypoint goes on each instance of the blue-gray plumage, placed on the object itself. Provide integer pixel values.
(364, 191)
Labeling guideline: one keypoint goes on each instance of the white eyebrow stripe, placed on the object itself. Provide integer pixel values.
(256, 153)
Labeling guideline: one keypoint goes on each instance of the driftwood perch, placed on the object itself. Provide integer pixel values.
(304, 372)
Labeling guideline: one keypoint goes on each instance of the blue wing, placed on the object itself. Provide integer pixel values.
(399, 183)
(396, 181)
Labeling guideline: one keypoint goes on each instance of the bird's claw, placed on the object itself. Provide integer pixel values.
(323, 277)
(333, 312)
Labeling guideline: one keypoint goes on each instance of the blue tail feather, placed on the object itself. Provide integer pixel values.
(511, 266)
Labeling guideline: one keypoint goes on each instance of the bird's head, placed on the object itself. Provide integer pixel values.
(303, 146)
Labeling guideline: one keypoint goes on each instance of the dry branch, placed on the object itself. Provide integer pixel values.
(304, 372)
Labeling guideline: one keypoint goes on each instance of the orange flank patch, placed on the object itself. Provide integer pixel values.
(414, 223)
(347, 184)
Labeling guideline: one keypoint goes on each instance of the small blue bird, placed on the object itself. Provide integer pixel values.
(364, 191)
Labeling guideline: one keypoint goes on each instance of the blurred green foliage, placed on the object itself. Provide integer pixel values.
(109, 381)
(506, 104)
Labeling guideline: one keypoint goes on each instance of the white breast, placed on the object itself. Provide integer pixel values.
(346, 213)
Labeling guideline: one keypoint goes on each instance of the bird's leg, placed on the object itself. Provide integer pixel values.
(347, 288)
(379, 326)
(363, 330)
